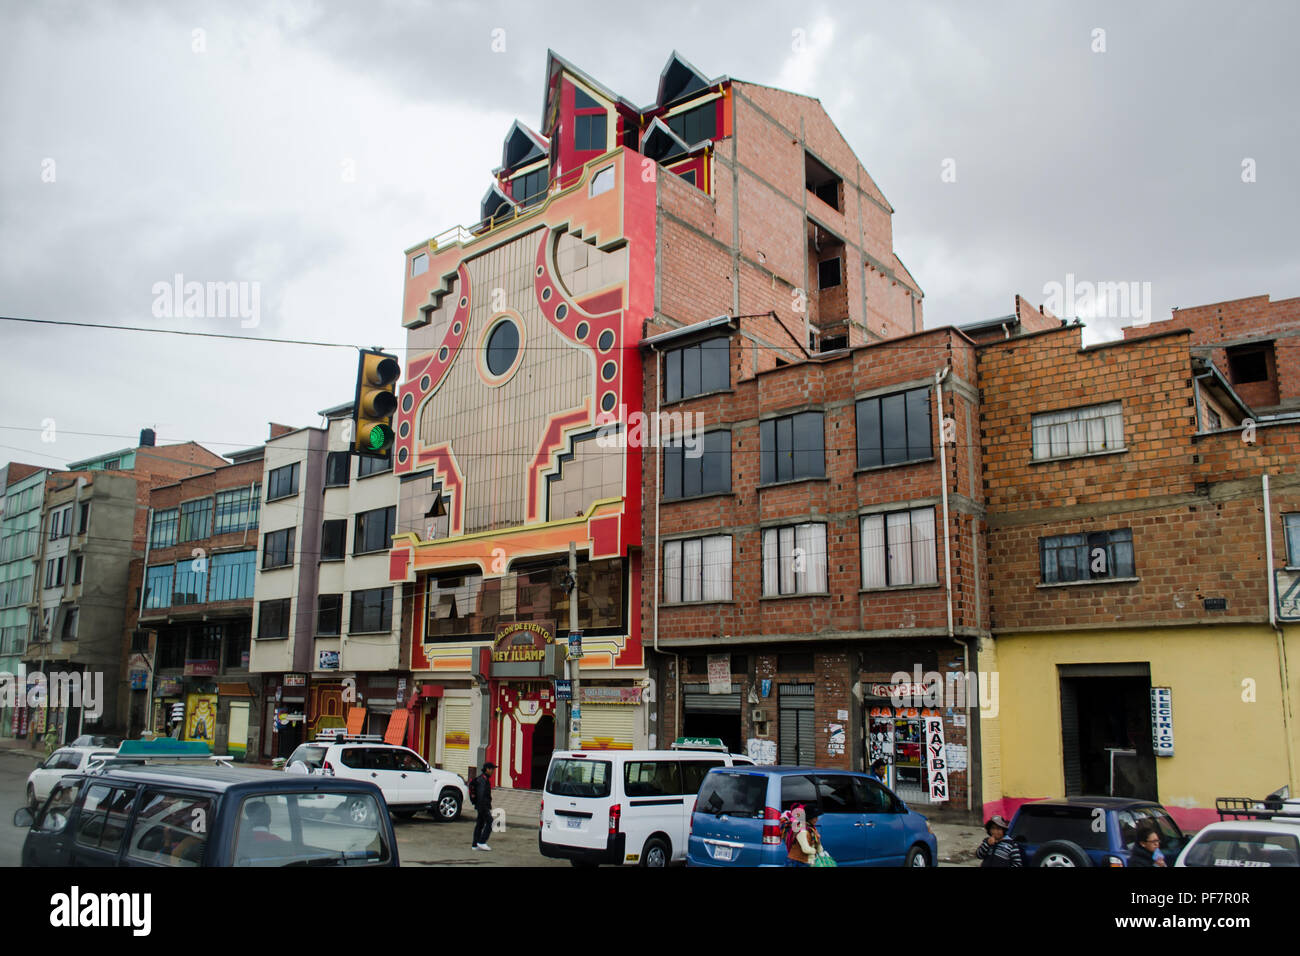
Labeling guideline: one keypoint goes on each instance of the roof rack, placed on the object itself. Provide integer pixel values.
(327, 736)
(1250, 808)
(162, 750)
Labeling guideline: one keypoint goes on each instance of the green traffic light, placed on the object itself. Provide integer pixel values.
(379, 437)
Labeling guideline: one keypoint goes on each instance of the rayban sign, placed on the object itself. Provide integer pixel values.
(1162, 721)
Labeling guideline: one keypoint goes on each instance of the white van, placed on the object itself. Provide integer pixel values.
(623, 806)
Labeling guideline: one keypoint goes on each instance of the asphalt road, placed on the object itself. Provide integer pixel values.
(421, 841)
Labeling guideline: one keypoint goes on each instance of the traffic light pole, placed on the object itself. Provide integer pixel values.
(573, 666)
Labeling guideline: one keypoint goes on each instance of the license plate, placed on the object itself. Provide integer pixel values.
(722, 853)
(573, 823)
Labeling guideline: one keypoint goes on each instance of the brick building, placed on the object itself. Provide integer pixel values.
(610, 223)
(1132, 494)
(188, 627)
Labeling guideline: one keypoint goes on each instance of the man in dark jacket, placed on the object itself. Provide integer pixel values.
(480, 794)
(997, 850)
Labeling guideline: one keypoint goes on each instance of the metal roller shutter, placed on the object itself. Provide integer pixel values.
(796, 724)
(455, 735)
(1070, 739)
(608, 727)
(706, 703)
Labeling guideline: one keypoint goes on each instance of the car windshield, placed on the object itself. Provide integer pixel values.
(735, 794)
(572, 777)
(1085, 826)
(313, 755)
(310, 829)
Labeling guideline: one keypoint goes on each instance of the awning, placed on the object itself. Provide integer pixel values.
(396, 732)
(239, 689)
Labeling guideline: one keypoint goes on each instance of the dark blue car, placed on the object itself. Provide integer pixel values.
(736, 820)
(1090, 831)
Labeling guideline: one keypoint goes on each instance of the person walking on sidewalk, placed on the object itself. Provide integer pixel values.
(997, 850)
(480, 794)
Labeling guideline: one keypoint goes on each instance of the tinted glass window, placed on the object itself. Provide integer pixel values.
(310, 754)
(409, 762)
(736, 794)
(652, 778)
(171, 829)
(872, 797)
(798, 789)
(354, 757)
(837, 794)
(1245, 848)
(91, 822)
(299, 829)
(579, 778)
(694, 772)
(1039, 824)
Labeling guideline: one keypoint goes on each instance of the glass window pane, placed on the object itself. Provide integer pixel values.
(716, 462)
(918, 423)
(714, 367)
(672, 471)
(784, 449)
(869, 433)
(672, 572)
(673, 380)
(898, 536)
(893, 425)
(692, 472)
(692, 569)
(691, 370)
(873, 551)
(767, 451)
(809, 459)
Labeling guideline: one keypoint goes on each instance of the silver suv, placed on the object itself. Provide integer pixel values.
(408, 783)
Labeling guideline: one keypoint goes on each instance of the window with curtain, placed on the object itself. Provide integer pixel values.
(898, 548)
(158, 586)
(794, 560)
(697, 569)
(231, 575)
(792, 448)
(1087, 557)
(1078, 431)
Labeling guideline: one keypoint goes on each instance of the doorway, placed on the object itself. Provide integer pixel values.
(543, 746)
(1106, 735)
(724, 726)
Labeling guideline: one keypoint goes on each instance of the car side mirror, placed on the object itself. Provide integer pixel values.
(23, 817)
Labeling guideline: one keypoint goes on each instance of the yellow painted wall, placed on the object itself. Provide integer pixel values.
(1223, 744)
(990, 727)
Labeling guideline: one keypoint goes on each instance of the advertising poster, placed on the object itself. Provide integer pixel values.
(937, 759)
(201, 718)
(719, 673)
(835, 740)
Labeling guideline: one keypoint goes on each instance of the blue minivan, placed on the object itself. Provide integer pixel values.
(736, 820)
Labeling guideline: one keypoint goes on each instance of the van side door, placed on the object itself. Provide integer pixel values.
(50, 834)
(654, 804)
(101, 824)
(843, 826)
(882, 817)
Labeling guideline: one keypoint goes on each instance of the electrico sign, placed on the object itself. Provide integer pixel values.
(1162, 721)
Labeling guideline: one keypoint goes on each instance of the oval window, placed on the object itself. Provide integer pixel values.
(502, 348)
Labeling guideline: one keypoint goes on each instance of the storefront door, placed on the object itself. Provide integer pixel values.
(526, 726)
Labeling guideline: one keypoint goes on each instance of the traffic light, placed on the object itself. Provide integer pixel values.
(376, 401)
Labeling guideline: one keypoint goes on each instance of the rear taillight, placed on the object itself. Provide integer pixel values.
(327, 769)
(541, 813)
(615, 813)
(695, 806)
(771, 826)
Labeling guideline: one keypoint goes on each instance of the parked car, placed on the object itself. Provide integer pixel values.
(107, 741)
(1250, 833)
(204, 815)
(56, 766)
(408, 783)
(623, 806)
(1090, 831)
(736, 819)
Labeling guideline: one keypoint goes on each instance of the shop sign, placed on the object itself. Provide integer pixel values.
(295, 680)
(575, 645)
(327, 661)
(901, 691)
(835, 740)
(563, 689)
(521, 641)
(1162, 721)
(719, 673)
(139, 680)
(168, 687)
(937, 759)
(401, 691)
(201, 668)
(609, 695)
(1288, 595)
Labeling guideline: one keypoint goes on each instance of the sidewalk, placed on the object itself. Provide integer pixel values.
(18, 748)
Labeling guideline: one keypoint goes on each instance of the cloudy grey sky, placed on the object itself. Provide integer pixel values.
(302, 146)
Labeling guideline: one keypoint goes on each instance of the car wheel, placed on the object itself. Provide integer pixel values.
(1061, 853)
(918, 856)
(359, 810)
(448, 806)
(31, 797)
(655, 853)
